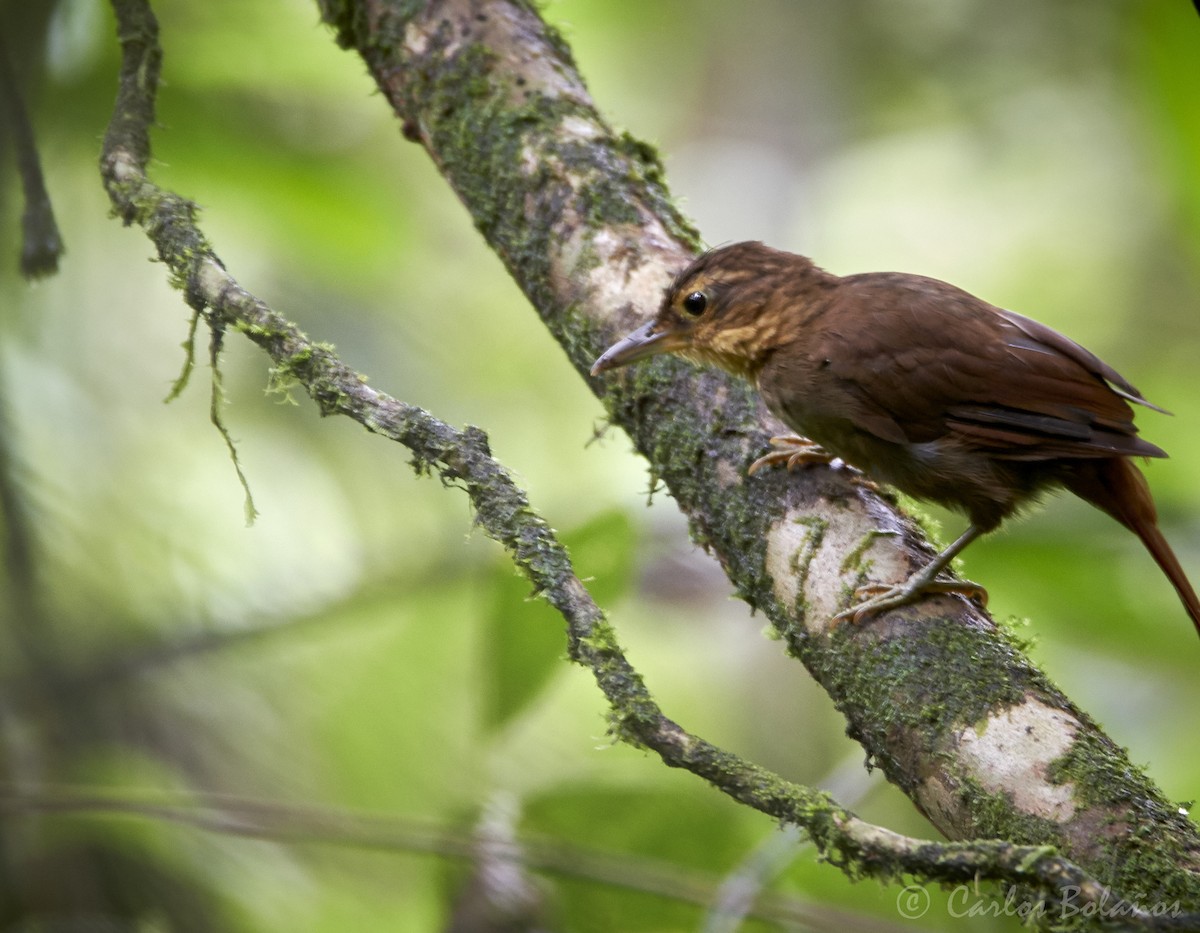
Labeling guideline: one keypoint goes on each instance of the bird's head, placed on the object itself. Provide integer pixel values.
(731, 307)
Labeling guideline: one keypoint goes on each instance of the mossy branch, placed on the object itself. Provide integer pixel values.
(584, 223)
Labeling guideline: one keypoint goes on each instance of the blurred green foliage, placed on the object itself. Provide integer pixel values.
(360, 647)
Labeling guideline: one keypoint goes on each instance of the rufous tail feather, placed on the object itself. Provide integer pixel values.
(1117, 487)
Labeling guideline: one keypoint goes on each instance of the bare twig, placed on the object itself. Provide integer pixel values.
(41, 243)
(323, 826)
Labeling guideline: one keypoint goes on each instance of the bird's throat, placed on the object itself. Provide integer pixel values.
(740, 350)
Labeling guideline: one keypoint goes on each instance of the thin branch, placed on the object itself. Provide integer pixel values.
(41, 242)
(462, 458)
(284, 823)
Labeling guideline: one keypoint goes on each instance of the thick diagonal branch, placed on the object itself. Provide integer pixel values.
(945, 703)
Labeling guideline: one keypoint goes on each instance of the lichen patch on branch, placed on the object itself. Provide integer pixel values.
(1011, 752)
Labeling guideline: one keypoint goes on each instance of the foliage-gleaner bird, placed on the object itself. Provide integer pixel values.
(919, 385)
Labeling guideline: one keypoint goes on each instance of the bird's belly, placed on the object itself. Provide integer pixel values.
(943, 471)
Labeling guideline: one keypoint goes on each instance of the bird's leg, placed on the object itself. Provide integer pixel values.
(793, 450)
(879, 597)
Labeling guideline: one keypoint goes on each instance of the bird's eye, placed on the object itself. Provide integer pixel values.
(695, 303)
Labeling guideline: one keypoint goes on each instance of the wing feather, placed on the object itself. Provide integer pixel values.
(937, 362)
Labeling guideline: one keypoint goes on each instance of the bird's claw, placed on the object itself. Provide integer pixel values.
(796, 451)
(874, 598)
(793, 451)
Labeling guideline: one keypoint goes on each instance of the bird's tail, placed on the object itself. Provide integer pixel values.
(1116, 486)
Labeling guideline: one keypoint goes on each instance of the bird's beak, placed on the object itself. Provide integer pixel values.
(644, 341)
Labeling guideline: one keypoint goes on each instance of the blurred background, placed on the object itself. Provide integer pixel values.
(357, 691)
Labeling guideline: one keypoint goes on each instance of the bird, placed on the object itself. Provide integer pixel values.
(918, 385)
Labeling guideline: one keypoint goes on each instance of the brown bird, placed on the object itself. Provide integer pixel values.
(919, 385)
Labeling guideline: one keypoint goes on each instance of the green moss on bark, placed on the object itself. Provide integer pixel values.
(1142, 860)
(910, 687)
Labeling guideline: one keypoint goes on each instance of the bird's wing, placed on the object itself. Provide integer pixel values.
(926, 361)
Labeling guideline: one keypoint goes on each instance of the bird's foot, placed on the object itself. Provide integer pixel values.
(793, 451)
(796, 451)
(875, 598)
